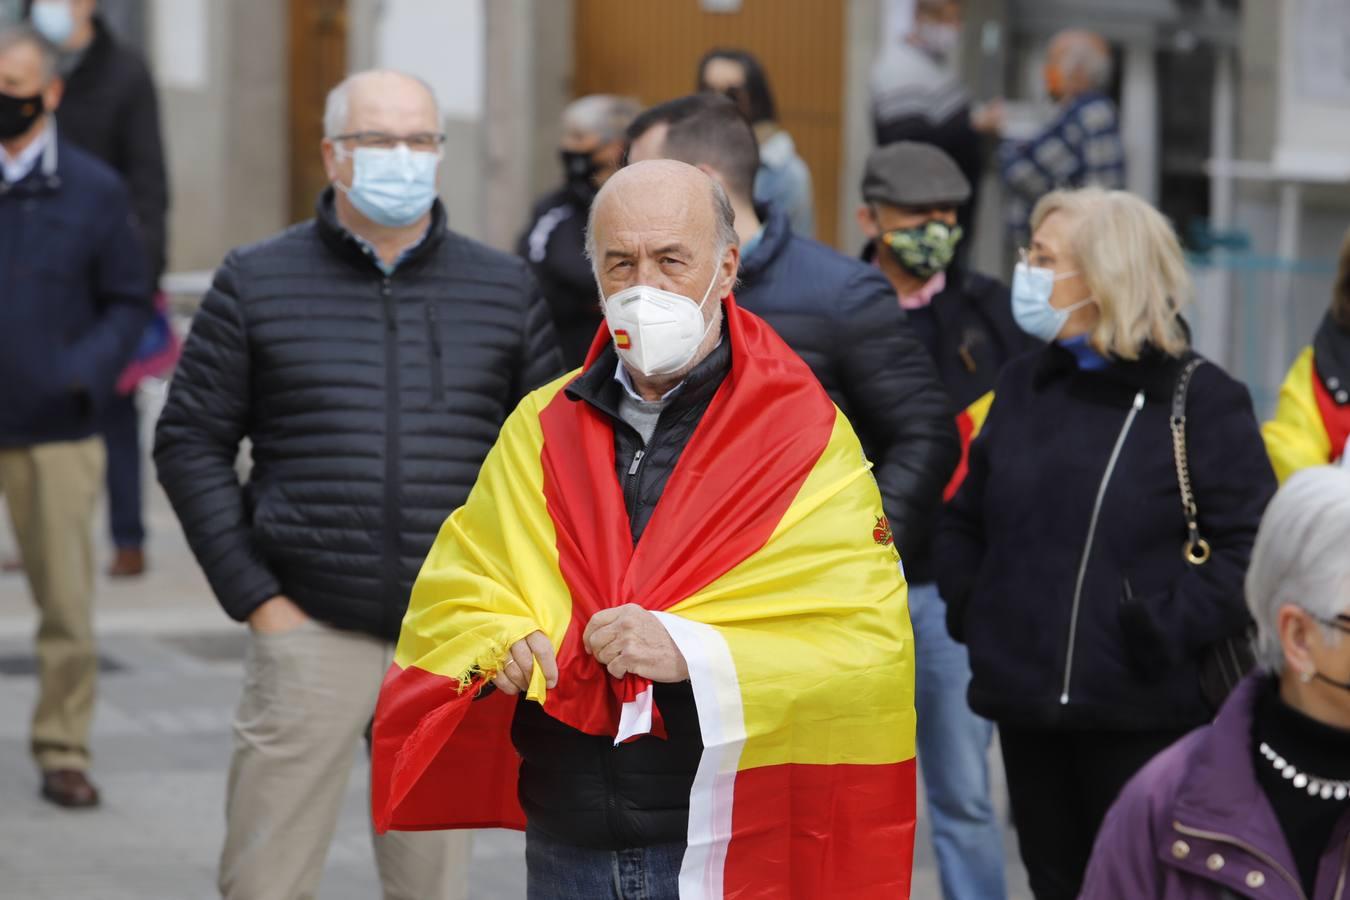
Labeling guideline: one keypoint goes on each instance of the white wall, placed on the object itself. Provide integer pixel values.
(1313, 124)
(221, 73)
(442, 42)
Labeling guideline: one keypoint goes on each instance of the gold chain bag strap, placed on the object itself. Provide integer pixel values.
(1226, 662)
(1197, 548)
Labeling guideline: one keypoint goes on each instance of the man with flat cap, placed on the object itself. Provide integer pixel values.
(911, 194)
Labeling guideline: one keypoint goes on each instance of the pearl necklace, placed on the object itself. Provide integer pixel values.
(1325, 788)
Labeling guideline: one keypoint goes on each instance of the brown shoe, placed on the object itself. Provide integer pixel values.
(69, 788)
(128, 563)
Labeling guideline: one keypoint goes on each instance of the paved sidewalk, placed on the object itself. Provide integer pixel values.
(162, 744)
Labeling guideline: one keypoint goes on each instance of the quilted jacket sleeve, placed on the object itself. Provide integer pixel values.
(541, 357)
(896, 400)
(197, 440)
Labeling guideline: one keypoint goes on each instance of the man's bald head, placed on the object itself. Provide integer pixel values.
(673, 194)
(1083, 59)
(381, 100)
(666, 225)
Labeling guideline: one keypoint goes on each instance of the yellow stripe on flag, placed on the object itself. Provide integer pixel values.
(824, 599)
(1297, 437)
(469, 603)
(978, 412)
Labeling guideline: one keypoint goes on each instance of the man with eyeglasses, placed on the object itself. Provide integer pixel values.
(371, 356)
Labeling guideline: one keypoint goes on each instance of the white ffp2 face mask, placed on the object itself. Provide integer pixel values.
(657, 332)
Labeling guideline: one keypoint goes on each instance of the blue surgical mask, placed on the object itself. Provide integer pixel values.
(392, 187)
(54, 20)
(1031, 290)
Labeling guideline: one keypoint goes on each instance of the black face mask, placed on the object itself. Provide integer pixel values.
(580, 170)
(1343, 685)
(17, 114)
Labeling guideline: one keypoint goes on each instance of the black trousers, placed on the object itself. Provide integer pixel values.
(1061, 784)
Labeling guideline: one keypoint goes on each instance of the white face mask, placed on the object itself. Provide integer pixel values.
(657, 332)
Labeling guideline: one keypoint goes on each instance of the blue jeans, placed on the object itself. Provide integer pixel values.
(122, 437)
(953, 755)
(558, 871)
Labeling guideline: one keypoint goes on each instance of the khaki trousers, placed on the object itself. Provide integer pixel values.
(51, 490)
(309, 695)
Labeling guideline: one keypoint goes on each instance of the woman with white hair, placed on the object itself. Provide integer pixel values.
(1093, 558)
(1258, 803)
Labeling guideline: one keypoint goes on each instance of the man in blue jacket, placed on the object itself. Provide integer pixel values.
(76, 292)
(109, 107)
(838, 313)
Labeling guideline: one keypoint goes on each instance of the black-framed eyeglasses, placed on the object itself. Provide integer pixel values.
(422, 141)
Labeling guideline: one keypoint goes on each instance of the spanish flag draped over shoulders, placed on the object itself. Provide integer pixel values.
(769, 561)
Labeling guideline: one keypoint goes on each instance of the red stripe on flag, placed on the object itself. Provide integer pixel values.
(851, 832)
(474, 770)
(761, 436)
(1335, 419)
(965, 427)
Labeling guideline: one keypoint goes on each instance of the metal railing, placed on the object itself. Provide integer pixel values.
(1255, 312)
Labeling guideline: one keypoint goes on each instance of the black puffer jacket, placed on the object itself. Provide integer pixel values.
(970, 332)
(580, 788)
(842, 318)
(371, 402)
(1018, 549)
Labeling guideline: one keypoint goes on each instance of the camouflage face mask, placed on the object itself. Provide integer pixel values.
(926, 249)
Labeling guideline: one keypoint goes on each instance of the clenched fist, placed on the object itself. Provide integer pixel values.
(631, 639)
(514, 676)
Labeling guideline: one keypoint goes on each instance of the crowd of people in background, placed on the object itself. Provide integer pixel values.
(1076, 496)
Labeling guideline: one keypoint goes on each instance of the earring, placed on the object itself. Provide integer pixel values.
(1305, 677)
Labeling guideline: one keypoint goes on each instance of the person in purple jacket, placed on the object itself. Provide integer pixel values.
(1257, 804)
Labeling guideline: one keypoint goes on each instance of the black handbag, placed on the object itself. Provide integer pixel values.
(1227, 661)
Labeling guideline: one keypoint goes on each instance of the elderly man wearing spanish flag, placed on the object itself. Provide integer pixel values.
(667, 634)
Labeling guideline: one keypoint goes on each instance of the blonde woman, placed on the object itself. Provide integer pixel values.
(1087, 600)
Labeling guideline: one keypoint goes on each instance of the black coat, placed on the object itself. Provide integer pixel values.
(842, 318)
(370, 401)
(976, 335)
(554, 245)
(970, 332)
(74, 296)
(1012, 542)
(110, 108)
(580, 788)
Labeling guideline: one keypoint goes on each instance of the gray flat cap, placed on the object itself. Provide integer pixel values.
(908, 173)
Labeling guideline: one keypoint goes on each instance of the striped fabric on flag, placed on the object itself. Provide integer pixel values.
(1309, 427)
(968, 424)
(765, 562)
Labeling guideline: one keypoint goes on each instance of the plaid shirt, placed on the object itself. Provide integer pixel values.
(1081, 147)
